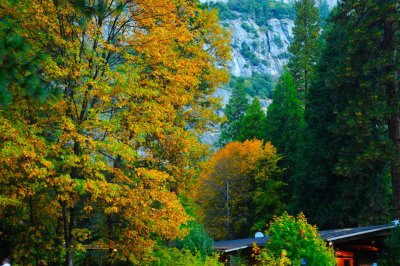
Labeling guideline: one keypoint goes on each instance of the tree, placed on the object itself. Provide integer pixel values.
(234, 112)
(304, 44)
(230, 181)
(391, 254)
(285, 120)
(252, 124)
(19, 64)
(109, 152)
(291, 241)
(347, 112)
(324, 11)
(198, 241)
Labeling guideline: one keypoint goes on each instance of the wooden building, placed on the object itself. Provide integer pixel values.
(353, 246)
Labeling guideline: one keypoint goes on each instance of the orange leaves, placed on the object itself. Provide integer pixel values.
(231, 181)
(238, 158)
(120, 139)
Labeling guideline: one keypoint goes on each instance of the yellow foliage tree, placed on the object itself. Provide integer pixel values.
(232, 180)
(102, 160)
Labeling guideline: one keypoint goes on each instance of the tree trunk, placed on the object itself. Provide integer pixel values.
(68, 227)
(228, 212)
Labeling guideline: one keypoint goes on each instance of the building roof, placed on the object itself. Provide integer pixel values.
(338, 234)
(327, 235)
(237, 244)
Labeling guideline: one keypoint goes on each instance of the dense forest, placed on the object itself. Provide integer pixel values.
(103, 105)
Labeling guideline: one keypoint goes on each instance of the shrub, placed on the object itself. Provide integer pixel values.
(197, 240)
(391, 254)
(173, 256)
(292, 239)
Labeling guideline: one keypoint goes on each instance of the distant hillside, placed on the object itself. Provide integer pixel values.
(261, 34)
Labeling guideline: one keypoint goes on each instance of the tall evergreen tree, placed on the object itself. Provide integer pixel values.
(285, 119)
(285, 125)
(348, 108)
(324, 11)
(305, 43)
(234, 112)
(252, 124)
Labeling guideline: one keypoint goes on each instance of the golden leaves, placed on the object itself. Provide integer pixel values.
(119, 141)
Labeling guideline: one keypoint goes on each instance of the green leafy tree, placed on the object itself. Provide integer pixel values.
(252, 125)
(234, 112)
(198, 241)
(285, 120)
(391, 254)
(293, 240)
(103, 162)
(305, 44)
(19, 64)
(348, 112)
(164, 255)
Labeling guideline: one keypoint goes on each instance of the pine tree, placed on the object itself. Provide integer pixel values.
(19, 65)
(252, 124)
(234, 112)
(284, 127)
(324, 11)
(285, 119)
(305, 44)
(348, 151)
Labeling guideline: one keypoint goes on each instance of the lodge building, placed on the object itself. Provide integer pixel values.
(358, 246)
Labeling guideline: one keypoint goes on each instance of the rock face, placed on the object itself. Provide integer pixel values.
(259, 49)
(255, 49)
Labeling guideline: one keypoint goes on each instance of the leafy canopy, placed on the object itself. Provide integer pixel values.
(291, 240)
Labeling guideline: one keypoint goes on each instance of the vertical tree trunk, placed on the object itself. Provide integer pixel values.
(392, 91)
(33, 224)
(228, 212)
(68, 227)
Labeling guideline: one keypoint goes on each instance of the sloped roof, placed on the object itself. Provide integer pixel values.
(236, 244)
(327, 235)
(336, 234)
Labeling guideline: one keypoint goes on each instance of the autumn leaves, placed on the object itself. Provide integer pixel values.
(102, 159)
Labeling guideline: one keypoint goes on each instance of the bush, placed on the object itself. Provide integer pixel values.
(173, 256)
(197, 240)
(292, 239)
(391, 254)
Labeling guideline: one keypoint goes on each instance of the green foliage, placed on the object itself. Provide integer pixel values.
(248, 28)
(247, 53)
(257, 85)
(285, 119)
(234, 111)
(285, 127)
(324, 11)
(294, 238)
(390, 255)
(252, 124)
(278, 41)
(305, 44)
(347, 149)
(270, 191)
(164, 256)
(198, 241)
(259, 10)
(19, 65)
